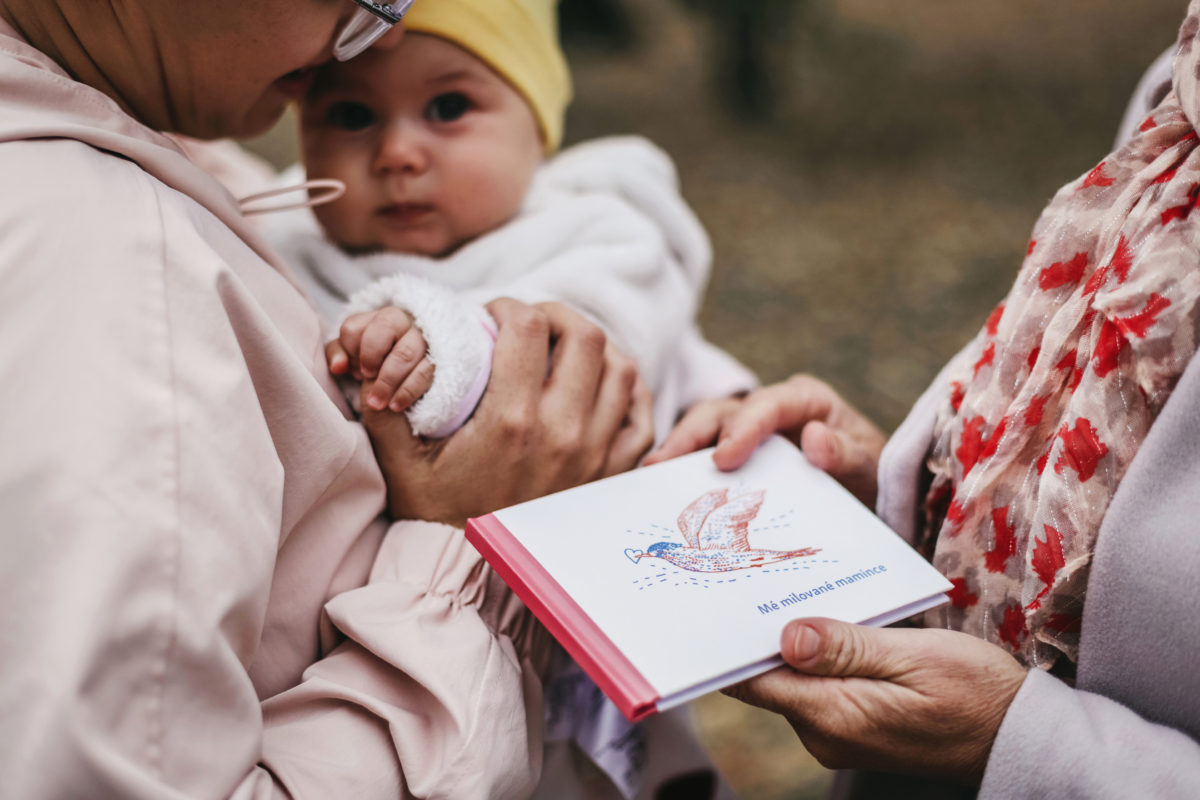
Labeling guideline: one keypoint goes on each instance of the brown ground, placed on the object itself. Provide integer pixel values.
(865, 232)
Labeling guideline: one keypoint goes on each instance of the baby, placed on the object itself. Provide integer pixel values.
(456, 194)
(454, 197)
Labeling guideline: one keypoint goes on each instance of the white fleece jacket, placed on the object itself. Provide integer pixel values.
(603, 229)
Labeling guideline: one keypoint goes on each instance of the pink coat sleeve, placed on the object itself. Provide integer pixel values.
(464, 707)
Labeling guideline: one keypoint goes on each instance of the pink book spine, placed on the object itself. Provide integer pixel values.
(563, 617)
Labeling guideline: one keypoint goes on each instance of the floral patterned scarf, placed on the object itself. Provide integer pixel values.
(1049, 404)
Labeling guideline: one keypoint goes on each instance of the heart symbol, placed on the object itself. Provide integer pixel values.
(632, 553)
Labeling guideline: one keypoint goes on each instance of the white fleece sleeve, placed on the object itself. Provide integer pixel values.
(459, 337)
(606, 232)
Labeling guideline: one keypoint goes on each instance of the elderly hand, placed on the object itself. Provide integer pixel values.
(834, 436)
(563, 407)
(915, 701)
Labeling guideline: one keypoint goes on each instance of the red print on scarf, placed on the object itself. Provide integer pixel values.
(1006, 542)
(1041, 462)
(1139, 324)
(1166, 176)
(1032, 358)
(1047, 561)
(1109, 344)
(1037, 407)
(1148, 124)
(1097, 178)
(989, 354)
(1182, 212)
(1063, 273)
(971, 447)
(959, 596)
(1032, 245)
(993, 320)
(957, 393)
(1082, 449)
(1122, 262)
(974, 447)
(1068, 362)
(955, 514)
(1013, 628)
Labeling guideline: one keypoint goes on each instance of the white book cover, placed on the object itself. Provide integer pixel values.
(690, 573)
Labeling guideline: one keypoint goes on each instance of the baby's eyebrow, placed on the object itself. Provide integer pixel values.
(457, 75)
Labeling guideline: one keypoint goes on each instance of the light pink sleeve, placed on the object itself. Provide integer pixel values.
(464, 707)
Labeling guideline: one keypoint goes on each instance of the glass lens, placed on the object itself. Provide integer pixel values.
(362, 30)
(370, 21)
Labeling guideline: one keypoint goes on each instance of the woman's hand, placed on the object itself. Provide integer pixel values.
(926, 702)
(834, 436)
(562, 408)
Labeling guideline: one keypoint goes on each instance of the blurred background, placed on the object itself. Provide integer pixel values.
(869, 171)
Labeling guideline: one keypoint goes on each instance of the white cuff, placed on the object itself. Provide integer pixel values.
(460, 338)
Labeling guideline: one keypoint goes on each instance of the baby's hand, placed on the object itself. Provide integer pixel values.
(383, 346)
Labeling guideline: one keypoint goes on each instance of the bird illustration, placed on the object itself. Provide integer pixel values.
(716, 528)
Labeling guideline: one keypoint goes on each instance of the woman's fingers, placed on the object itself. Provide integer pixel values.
(636, 433)
(519, 360)
(893, 699)
(611, 404)
(697, 429)
(848, 459)
(783, 408)
(577, 364)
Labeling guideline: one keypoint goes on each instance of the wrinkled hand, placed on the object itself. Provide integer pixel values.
(562, 408)
(384, 347)
(926, 702)
(833, 435)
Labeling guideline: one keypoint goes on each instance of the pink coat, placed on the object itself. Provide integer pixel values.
(192, 599)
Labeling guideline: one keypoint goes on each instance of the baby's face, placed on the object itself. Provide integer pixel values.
(434, 147)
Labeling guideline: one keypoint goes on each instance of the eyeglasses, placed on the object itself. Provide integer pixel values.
(370, 21)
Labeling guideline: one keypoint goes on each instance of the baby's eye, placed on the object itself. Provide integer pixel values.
(447, 107)
(349, 116)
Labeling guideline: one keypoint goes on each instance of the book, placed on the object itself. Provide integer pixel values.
(674, 580)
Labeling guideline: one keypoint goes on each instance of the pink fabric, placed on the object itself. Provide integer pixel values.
(190, 518)
(1046, 409)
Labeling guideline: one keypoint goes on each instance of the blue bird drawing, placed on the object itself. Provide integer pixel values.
(716, 529)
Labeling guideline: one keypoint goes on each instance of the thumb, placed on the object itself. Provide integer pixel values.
(829, 648)
(825, 448)
(844, 458)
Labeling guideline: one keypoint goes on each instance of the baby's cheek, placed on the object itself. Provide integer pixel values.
(341, 222)
(484, 211)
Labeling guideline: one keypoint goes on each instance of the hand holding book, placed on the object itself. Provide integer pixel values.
(676, 579)
(834, 436)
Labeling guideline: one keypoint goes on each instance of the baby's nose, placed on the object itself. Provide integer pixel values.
(401, 149)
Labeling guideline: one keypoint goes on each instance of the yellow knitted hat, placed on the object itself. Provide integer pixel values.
(516, 38)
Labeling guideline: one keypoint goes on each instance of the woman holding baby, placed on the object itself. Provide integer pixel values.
(194, 599)
(197, 585)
